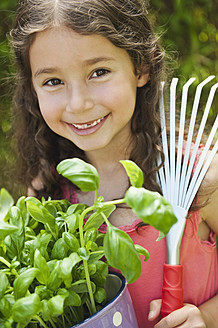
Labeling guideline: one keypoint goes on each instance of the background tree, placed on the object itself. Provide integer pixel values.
(188, 32)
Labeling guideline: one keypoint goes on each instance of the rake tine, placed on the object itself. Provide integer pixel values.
(182, 191)
(172, 135)
(181, 135)
(197, 178)
(164, 176)
(199, 135)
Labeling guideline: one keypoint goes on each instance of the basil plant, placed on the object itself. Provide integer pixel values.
(53, 259)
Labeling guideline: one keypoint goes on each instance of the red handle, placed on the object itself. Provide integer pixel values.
(172, 292)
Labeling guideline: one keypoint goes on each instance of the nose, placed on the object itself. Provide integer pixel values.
(79, 99)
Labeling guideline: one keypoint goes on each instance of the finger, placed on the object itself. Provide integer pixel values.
(155, 307)
(174, 319)
(186, 317)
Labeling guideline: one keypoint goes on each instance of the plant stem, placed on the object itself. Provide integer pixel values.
(98, 252)
(115, 202)
(82, 243)
(105, 219)
(65, 318)
(5, 261)
(96, 196)
(88, 281)
(8, 265)
(52, 323)
(75, 314)
(89, 306)
(40, 321)
(81, 221)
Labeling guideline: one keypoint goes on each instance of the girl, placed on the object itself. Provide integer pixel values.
(88, 86)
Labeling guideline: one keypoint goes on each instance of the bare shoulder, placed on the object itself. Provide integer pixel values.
(209, 192)
(37, 185)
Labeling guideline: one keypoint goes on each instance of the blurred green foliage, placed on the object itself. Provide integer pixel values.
(7, 156)
(188, 32)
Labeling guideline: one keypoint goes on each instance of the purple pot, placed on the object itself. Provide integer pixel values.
(118, 312)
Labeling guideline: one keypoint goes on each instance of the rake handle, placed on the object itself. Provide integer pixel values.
(172, 292)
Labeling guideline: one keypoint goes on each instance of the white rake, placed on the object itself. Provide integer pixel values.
(178, 184)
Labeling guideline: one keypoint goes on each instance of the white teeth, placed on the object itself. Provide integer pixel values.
(86, 126)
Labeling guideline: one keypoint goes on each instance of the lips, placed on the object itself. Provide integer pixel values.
(87, 128)
(88, 125)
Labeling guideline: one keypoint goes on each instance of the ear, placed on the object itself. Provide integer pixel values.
(143, 78)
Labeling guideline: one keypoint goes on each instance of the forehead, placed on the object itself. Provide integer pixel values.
(60, 44)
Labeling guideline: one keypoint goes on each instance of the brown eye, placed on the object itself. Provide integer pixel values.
(100, 72)
(53, 82)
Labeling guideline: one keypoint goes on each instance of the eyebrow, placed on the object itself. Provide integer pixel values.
(88, 62)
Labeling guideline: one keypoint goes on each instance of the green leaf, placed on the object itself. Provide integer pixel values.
(76, 208)
(46, 312)
(96, 219)
(72, 222)
(75, 258)
(6, 229)
(56, 304)
(6, 201)
(23, 281)
(55, 280)
(41, 264)
(67, 265)
(21, 204)
(80, 173)
(96, 256)
(33, 200)
(134, 173)
(6, 304)
(41, 214)
(151, 207)
(90, 235)
(121, 253)
(83, 253)
(60, 249)
(26, 307)
(16, 240)
(142, 251)
(91, 246)
(71, 241)
(100, 295)
(65, 269)
(50, 207)
(4, 283)
(43, 292)
(16, 218)
(99, 277)
(80, 286)
(160, 236)
(73, 299)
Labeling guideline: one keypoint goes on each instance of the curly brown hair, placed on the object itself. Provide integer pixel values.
(125, 23)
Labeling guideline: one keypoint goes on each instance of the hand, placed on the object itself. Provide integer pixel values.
(189, 316)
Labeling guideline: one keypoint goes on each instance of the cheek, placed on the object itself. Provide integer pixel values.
(50, 109)
(120, 96)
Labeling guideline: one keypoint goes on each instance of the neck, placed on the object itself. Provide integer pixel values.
(107, 159)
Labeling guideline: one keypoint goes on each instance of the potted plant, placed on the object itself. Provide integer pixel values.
(53, 260)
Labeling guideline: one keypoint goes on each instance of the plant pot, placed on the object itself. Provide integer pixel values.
(118, 312)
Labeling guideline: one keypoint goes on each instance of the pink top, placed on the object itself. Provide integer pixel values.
(199, 260)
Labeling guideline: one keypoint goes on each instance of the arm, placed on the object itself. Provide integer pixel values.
(209, 214)
(204, 316)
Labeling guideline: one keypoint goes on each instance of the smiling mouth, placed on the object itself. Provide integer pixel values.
(88, 125)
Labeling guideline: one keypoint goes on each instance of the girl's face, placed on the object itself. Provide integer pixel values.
(86, 87)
